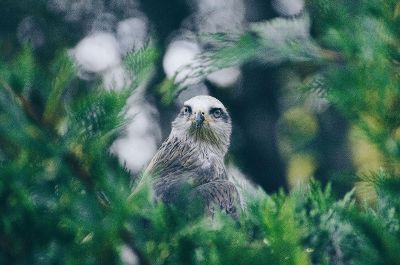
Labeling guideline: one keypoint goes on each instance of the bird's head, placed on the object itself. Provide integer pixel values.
(204, 118)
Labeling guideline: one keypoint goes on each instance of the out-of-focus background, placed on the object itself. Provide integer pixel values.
(281, 136)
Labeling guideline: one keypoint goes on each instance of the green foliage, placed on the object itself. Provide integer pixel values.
(364, 86)
(65, 200)
(140, 64)
(63, 77)
(168, 91)
(56, 171)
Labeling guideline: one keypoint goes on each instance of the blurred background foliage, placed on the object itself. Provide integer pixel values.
(87, 93)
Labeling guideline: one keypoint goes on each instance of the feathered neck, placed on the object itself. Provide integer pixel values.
(203, 141)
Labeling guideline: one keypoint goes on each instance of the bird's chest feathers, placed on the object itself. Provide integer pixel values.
(200, 161)
(190, 161)
(207, 167)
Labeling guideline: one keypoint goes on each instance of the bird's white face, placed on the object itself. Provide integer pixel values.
(204, 118)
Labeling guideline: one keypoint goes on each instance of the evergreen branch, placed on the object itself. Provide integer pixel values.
(76, 165)
(141, 64)
(59, 84)
(271, 42)
(386, 244)
(128, 239)
(22, 101)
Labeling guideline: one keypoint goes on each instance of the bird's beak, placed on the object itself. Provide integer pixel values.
(199, 118)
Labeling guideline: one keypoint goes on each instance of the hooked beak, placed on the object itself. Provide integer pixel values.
(199, 118)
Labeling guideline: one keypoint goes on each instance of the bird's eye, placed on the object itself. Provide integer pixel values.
(216, 113)
(186, 110)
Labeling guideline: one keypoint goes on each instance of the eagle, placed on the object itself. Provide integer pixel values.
(192, 158)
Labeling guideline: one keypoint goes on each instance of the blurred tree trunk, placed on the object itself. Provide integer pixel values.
(333, 151)
(255, 113)
(165, 17)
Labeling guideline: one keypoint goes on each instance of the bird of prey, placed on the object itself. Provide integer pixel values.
(193, 158)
